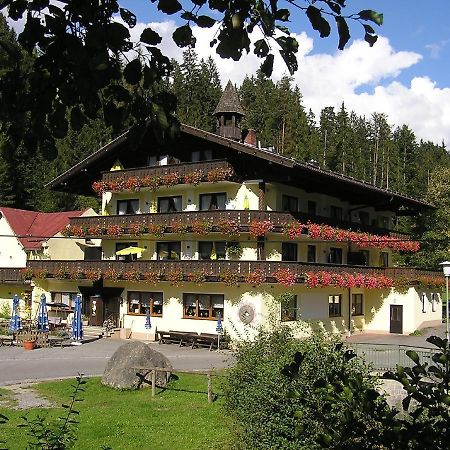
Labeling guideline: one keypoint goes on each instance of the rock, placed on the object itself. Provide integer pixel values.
(119, 372)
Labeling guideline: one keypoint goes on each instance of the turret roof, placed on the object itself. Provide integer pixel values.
(229, 102)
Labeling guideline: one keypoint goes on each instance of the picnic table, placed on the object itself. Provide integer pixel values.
(187, 338)
(6, 339)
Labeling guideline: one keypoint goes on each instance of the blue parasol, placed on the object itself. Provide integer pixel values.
(42, 324)
(148, 323)
(15, 323)
(77, 322)
(219, 328)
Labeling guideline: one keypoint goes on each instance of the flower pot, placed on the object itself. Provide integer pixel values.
(29, 345)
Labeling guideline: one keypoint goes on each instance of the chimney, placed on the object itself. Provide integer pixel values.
(249, 137)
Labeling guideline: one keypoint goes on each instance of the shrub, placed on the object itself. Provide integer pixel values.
(257, 394)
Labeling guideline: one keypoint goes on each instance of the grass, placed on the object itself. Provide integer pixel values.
(178, 418)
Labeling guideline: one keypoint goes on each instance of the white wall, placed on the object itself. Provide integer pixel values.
(12, 253)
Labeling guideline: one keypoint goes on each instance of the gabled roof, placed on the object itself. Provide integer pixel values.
(229, 102)
(33, 228)
(288, 170)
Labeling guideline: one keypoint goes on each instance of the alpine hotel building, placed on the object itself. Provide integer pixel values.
(214, 224)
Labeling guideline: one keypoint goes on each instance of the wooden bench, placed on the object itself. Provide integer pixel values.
(205, 340)
(177, 337)
(6, 339)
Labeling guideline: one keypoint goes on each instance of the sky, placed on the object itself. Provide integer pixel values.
(404, 75)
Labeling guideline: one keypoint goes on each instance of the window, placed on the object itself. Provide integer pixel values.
(127, 206)
(169, 204)
(384, 222)
(334, 305)
(424, 303)
(211, 250)
(366, 255)
(138, 302)
(335, 256)
(311, 257)
(168, 250)
(364, 217)
(336, 212)
(121, 246)
(433, 302)
(213, 201)
(201, 155)
(312, 208)
(357, 305)
(289, 203)
(260, 249)
(384, 259)
(290, 310)
(202, 306)
(288, 251)
(68, 298)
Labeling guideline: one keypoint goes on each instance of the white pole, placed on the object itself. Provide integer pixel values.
(446, 311)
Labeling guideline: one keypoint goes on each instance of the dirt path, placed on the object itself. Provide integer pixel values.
(24, 397)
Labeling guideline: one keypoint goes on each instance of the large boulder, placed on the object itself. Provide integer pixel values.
(120, 374)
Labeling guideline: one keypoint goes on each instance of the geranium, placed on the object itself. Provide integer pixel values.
(201, 227)
(229, 277)
(152, 277)
(170, 179)
(314, 230)
(175, 277)
(61, 273)
(133, 184)
(99, 187)
(194, 178)
(156, 229)
(132, 275)
(260, 229)
(285, 277)
(293, 229)
(136, 229)
(255, 278)
(152, 183)
(347, 280)
(78, 231)
(95, 230)
(228, 226)
(41, 273)
(67, 231)
(178, 227)
(197, 277)
(76, 274)
(219, 174)
(114, 230)
(93, 274)
(327, 232)
(27, 273)
(112, 274)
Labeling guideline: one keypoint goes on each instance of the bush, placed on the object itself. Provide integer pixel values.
(258, 396)
(5, 311)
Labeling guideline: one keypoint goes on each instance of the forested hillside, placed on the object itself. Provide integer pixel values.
(367, 148)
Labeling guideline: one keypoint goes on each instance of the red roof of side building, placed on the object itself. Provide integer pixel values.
(36, 226)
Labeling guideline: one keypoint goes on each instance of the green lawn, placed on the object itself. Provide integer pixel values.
(177, 418)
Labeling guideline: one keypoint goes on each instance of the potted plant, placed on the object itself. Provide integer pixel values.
(28, 337)
(85, 320)
(233, 250)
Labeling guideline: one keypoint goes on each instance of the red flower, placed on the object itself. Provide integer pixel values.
(156, 229)
(197, 277)
(194, 177)
(152, 277)
(229, 277)
(285, 277)
(293, 229)
(175, 277)
(201, 227)
(255, 278)
(228, 226)
(219, 174)
(260, 229)
(170, 179)
(114, 230)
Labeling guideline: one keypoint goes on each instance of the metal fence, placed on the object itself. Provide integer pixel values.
(384, 357)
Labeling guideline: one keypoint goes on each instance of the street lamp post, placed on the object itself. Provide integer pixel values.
(446, 268)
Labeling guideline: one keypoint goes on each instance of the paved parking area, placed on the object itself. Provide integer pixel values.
(18, 365)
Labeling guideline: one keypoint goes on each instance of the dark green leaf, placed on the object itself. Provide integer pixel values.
(411, 354)
(169, 6)
(133, 72)
(370, 39)
(282, 14)
(128, 17)
(183, 37)
(437, 341)
(188, 16)
(317, 21)
(267, 66)
(344, 33)
(373, 16)
(117, 35)
(150, 37)
(261, 48)
(368, 29)
(205, 21)
(219, 5)
(77, 119)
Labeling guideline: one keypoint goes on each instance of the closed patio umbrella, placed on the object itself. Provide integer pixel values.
(42, 324)
(148, 323)
(77, 323)
(15, 323)
(219, 329)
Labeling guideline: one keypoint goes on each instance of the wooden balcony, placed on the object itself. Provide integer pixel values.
(242, 217)
(181, 169)
(215, 268)
(11, 275)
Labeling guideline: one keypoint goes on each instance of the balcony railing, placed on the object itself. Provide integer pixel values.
(181, 169)
(242, 217)
(214, 268)
(12, 275)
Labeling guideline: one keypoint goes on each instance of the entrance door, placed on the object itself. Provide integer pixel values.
(111, 310)
(96, 311)
(396, 319)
